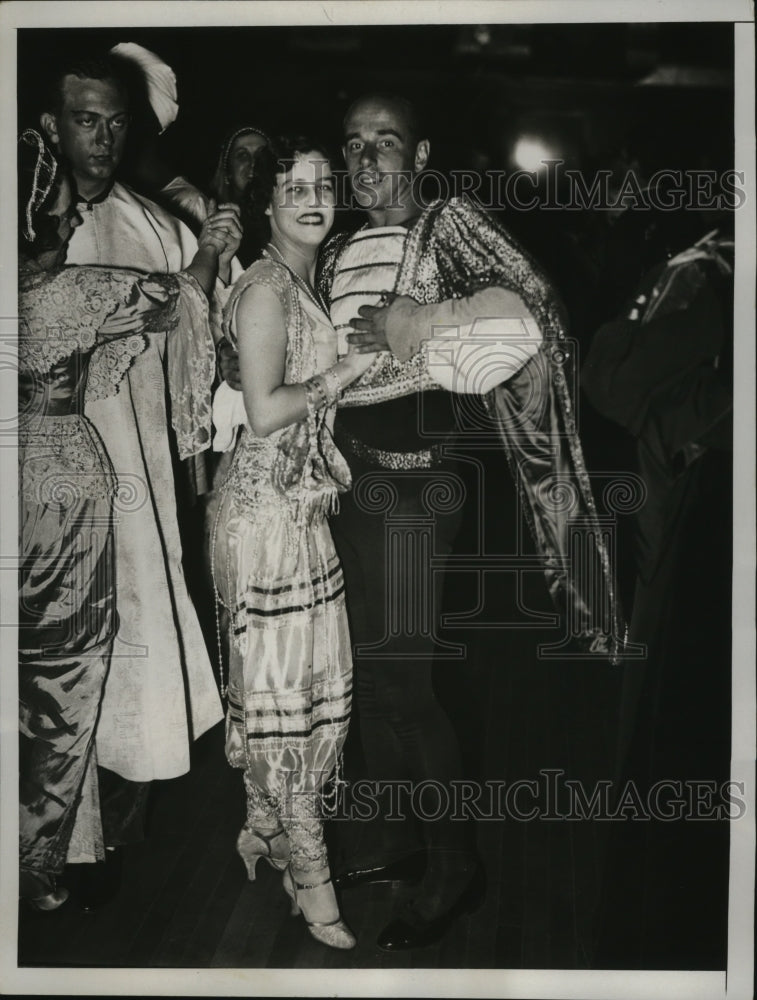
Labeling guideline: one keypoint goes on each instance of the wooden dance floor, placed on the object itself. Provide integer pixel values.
(560, 894)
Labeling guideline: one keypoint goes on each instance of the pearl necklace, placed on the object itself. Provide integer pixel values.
(317, 302)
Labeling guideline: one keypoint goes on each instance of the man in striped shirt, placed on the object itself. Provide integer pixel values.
(392, 427)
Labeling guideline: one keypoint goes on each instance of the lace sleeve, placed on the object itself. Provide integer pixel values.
(228, 406)
(138, 304)
(109, 365)
(190, 368)
(62, 312)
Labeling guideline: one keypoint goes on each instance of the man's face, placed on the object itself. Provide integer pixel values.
(90, 130)
(381, 154)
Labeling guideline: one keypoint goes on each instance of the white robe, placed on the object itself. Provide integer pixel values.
(160, 693)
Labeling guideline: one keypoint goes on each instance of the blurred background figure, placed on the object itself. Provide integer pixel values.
(229, 183)
(663, 371)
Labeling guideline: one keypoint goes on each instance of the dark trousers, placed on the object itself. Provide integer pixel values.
(123, 807)
(388, 533)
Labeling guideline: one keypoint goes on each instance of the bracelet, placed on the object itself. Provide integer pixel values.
(326, 385)
(314, 392)
(333, 384)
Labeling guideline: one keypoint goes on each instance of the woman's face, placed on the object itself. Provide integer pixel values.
(241, 162)
(302, 206)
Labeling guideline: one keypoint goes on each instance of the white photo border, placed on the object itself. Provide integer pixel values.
(735, 983)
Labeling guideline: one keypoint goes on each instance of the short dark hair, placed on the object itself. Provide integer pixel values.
(86, 67)
(276, 158)
(408, 108)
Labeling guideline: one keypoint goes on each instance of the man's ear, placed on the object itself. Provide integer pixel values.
(422, 153)
(49, 125)
(344, 153)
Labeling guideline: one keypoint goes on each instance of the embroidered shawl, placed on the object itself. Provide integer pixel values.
(453, 250)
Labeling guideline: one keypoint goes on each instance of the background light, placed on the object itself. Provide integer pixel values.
(531, 152)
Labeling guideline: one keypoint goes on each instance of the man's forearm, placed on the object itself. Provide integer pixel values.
(408, 324)
(472, 344)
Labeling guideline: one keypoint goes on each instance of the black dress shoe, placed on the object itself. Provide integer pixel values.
(99, 883)
(408, 869)
(416, 931)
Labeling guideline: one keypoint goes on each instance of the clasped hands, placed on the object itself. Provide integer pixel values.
(368, 337)
(222, 230)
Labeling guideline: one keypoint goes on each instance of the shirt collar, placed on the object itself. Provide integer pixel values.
(98, 198)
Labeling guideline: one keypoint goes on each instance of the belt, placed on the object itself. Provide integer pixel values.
(426, 458)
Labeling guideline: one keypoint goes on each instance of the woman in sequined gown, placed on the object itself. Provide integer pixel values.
(275, 567)
(80, 328)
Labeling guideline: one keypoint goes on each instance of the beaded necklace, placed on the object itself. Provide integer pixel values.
(314, 296)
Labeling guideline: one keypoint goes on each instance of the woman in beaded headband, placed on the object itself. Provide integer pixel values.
(229, 184)
(236, 163)
(275, 567)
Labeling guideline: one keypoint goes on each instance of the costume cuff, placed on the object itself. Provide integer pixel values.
(221, 295)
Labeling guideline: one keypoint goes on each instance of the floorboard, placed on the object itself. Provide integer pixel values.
(559, 893)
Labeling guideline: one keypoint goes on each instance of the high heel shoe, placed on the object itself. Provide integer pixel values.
(334, 933)
(253, 845)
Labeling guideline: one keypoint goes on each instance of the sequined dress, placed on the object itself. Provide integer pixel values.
(67, 580)
(277, 573)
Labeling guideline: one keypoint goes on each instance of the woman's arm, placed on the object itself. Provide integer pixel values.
(217, 243)
(262, 341)
(204, 267)
(150, 301)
